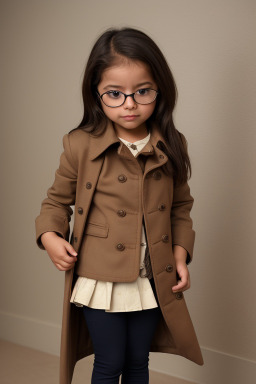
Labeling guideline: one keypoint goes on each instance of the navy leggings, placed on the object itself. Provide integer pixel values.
(121, 342)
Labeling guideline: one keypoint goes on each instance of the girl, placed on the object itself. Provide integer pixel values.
(125, 168)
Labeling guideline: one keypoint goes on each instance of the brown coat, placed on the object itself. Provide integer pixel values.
(76, 180)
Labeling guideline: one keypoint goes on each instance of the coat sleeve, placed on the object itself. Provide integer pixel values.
(181, 222)
(55, 213)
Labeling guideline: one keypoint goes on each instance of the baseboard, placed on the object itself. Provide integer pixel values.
(29, 332)
(219, 367)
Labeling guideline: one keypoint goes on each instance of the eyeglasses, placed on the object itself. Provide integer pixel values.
(115, 99)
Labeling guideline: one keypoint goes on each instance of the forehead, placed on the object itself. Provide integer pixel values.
(128, 72)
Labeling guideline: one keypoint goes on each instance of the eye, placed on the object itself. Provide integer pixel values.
(143, 91)
(114, 94)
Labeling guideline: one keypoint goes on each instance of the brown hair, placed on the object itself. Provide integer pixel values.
(136, 45)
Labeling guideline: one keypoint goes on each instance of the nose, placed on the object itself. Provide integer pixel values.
(130, 103)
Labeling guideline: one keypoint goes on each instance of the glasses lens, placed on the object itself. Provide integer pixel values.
(145, 96)
(113, 98)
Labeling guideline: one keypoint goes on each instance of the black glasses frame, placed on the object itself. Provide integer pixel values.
(125, 97)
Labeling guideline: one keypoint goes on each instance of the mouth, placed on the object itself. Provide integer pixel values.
(130, 117)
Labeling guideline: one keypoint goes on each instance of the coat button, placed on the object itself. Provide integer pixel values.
(88, 185)
(75, 239)
(165, 238)
(161, 156)
(121, 212)
(179, 295)
(122, 178)
(80, 210)
(157, 175)
(120, 247)
(169, 268)
(161, 207)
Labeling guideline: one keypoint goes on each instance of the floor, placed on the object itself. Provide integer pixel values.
(27, 366)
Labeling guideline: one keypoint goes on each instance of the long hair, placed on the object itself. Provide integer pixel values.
(133, 44)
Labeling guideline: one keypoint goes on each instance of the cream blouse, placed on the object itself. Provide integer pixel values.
(114, 296)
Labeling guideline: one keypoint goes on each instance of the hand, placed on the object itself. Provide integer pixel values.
(59, 250)
(180, 255)
(184, 282)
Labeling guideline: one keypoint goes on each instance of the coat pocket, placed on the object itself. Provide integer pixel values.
(98, 230)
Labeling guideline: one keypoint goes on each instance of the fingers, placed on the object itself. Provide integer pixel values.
(64, 257)
(181, 286)
(68, 259)
(184, 283)
(63, 268)
(66, 262)
(70, 249)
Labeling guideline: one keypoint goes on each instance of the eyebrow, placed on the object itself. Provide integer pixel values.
(119, 86)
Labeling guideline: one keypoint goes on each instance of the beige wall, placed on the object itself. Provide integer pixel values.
(210, 46)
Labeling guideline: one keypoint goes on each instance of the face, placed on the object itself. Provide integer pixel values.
(130, 118)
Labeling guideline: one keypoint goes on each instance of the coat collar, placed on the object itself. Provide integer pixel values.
(98, 144)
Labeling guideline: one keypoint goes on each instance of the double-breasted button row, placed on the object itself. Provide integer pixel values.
(165, 238)
(120, 246)
(121, 212)
(122, 178)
